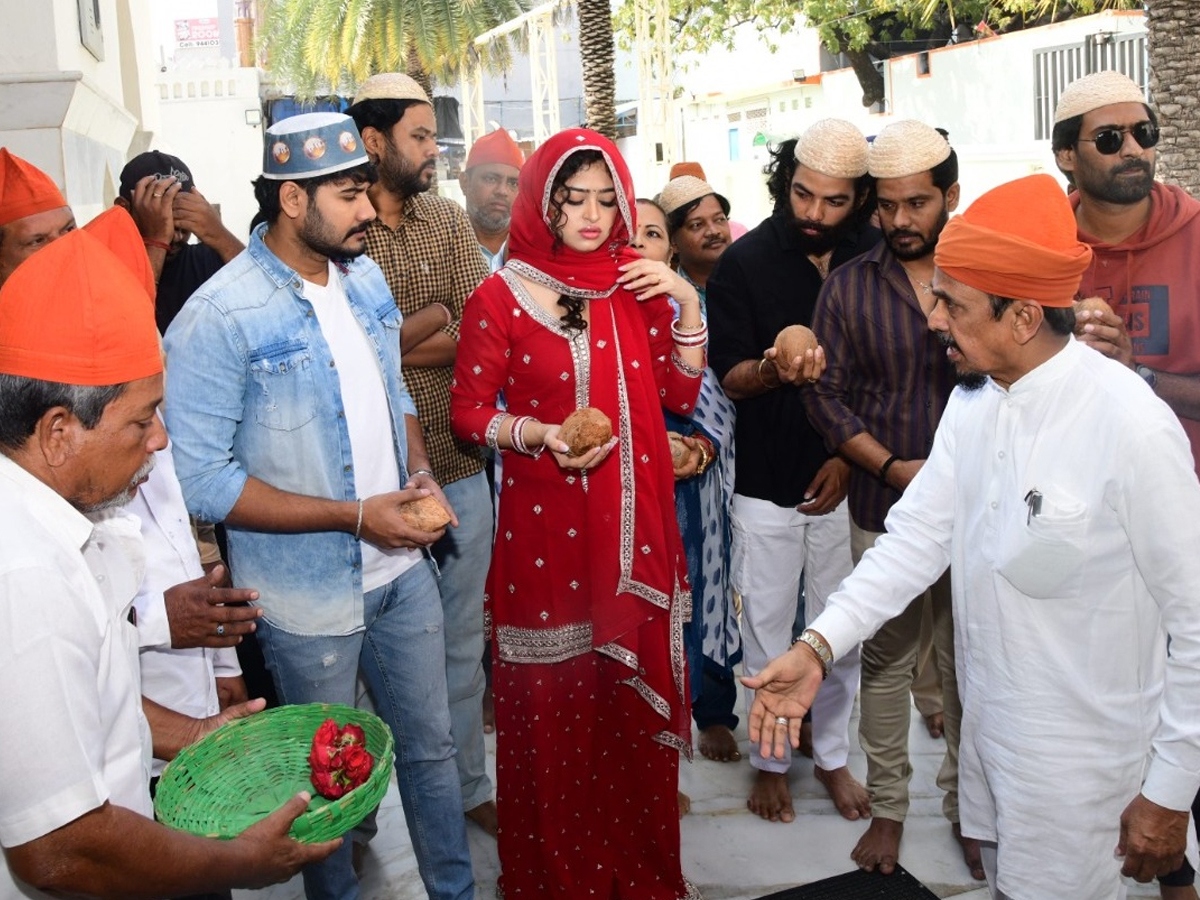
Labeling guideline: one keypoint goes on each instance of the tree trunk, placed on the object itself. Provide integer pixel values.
(414, 69)
(596, 55)
(1174, 40)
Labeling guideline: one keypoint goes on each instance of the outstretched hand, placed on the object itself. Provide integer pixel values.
(783, 692)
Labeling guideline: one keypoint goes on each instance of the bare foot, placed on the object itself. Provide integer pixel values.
(770, 797)
(970, 851)
(806, 748)
(850, 797)
(935, 724)
(879, 847)
(685, 804)
(489, 711)
(484, 815)
(718, 744)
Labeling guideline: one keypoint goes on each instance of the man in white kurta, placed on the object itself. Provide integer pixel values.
(1062, 495)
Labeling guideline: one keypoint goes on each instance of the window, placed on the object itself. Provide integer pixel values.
(1056, 67)
(923, 64)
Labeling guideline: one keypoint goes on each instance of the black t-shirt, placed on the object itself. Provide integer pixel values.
(763, 283)
(182, 275)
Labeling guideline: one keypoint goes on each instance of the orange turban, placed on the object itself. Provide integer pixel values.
(117, 231)
(499, 148)
(25, 189)
(687, 168)
(73, 313)
(1018, 240)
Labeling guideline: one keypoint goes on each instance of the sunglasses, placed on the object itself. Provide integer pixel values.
(1109, 140)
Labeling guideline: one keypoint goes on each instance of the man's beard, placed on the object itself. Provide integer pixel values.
(922, 249)
(1108, 187)
(490, 223)
(399, 177)
(826, 238)
(318, 237)
(968, 381)
(124, 496)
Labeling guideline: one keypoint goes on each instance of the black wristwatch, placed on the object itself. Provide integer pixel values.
(1148, 375)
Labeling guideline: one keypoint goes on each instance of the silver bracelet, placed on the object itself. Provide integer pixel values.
(428, 472)
(358, 526)
(819, 647)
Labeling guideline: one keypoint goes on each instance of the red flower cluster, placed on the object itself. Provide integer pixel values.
(339, 759)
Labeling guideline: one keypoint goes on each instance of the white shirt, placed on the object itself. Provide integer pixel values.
(70, 706)
(181, 680)
(363, 397)
(1059, 616)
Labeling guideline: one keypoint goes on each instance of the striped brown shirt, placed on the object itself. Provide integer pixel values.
(432, 257)
(887, 375)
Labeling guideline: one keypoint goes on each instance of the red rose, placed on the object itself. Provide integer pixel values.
(356, 764)
(352, 734)
(328, 784)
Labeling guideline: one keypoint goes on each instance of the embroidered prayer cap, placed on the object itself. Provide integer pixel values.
(25, 190)
(905, 148)
(685, 189)
(686, 168)
(73, 313)
(154, 162)
(833, 147)
(118, 232)
(1094, 91)
(499, 148)
(311, 144)
(1018, 240)
(391, 86)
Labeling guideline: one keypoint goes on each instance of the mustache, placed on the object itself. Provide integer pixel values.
(812, 226)
(945, 340)
(358, 229)
(904, 232)
(1134, 165)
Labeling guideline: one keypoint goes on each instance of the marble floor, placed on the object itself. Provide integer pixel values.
(728, 853)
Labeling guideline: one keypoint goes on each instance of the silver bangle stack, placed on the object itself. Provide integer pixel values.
(516, 436)
(691, 338)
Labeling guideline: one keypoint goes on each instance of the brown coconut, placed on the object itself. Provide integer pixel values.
(425, 514)
(679, 450)
(1092, 304)
(584, 430)
(794, 341)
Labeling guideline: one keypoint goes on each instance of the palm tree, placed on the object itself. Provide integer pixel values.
(597, 58)
(1174, 40)
(327, 46)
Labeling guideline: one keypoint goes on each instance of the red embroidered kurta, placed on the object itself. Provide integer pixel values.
(586, 593)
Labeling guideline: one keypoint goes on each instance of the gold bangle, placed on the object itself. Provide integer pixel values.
(761, 362)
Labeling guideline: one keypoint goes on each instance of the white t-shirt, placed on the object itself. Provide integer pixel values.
(368, 418)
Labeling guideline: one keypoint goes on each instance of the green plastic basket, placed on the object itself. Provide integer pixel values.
(244, 771)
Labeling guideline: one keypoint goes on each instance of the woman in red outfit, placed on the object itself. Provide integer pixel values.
(587, 590)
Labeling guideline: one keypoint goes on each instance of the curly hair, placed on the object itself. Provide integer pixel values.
(782, 168)
(572, 318)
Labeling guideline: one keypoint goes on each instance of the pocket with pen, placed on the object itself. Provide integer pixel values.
(1043, 555)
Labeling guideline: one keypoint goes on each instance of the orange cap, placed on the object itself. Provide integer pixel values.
(1018, 240)
(497, 147)
(73, 313)
(117, 231)
(687, 168)
(25, 189)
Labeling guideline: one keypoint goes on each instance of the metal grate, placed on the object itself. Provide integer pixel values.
(1056, 67)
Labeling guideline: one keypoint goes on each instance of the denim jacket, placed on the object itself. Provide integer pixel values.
(252, 390)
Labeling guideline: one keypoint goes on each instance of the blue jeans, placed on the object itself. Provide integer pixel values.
(402, 659)
(463, 556)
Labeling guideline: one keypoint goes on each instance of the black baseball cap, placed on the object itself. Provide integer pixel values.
(154, 162)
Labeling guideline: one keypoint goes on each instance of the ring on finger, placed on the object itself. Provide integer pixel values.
(220, 631)
(781, 720)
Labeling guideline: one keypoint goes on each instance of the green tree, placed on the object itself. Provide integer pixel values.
(866, 30)
(325, 46)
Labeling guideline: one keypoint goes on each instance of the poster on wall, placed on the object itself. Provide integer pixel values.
(190, 33)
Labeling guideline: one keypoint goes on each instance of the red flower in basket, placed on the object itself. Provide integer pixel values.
(339, 759)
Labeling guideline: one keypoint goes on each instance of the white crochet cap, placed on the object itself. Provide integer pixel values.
(1094, 91)
(682, 191)
(391, 86)
(905, 148)
(833, 147)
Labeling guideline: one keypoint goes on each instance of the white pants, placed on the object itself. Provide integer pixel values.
(772, 546)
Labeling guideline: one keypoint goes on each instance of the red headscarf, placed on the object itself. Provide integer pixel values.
(531, 239)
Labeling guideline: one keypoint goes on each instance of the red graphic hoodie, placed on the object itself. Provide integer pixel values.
(1152, 280)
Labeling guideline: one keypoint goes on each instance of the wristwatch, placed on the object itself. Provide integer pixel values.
(1148, 375)
(824, 654)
